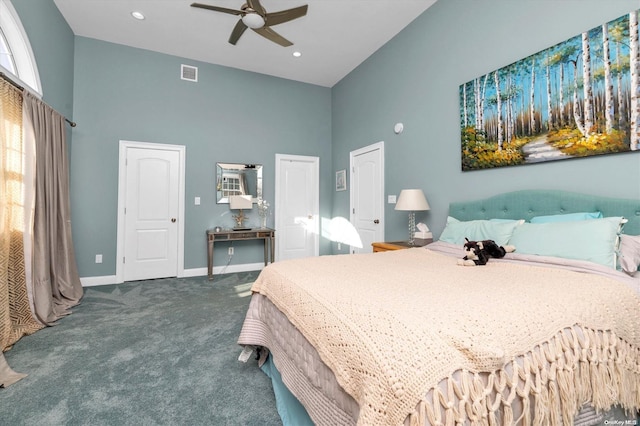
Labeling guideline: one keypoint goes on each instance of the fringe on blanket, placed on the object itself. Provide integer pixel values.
(549, 384)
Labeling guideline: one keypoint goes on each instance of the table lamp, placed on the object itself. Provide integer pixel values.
(412, 200)
(240, 202)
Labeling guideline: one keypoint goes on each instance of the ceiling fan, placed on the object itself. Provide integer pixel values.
(254, 16)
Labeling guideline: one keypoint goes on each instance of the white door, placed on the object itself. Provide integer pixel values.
(367, 195)
(297, 206)
(151, 191)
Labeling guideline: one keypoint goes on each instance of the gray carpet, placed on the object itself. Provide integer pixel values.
(159, 352)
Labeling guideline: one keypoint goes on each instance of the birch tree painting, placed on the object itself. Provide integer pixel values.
(578, 98)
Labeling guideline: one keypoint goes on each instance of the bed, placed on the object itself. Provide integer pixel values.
(547, 335)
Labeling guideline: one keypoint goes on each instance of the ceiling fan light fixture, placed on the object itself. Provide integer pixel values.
(138, 15)
(253, 20)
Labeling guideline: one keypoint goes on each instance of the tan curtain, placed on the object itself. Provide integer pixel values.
(16, 317)
(56, 284)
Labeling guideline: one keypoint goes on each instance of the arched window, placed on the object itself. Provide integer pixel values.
(16, 56)
(6, 58)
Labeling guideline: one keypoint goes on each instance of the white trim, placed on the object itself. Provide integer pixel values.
(94, 281)
(231, 269)
(188, 273)
(120, 250)
(23, 57)
(199, 272)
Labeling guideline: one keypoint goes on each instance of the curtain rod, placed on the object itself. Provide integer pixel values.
(10, 80)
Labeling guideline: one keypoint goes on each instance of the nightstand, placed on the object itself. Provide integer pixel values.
(399, 245)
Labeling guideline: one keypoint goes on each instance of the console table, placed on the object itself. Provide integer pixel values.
(265, 234)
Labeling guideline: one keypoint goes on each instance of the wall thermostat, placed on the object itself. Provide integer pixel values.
(398, 128)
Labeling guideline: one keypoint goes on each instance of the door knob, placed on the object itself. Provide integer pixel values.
(173, 220)
(376, 221)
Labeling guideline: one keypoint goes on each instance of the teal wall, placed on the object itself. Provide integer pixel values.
(233, 116)
(414, 79)
(116, 92)
(52, 44)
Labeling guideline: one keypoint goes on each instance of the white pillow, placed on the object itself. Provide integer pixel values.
(630, 253)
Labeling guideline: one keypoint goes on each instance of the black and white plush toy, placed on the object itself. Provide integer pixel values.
(479, 252)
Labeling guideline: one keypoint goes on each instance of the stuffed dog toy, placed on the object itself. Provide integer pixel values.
(479, 252)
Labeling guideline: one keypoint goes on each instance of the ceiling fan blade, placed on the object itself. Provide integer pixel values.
(255, 5)
(282, 16)
(217, 9)
(238, 30)
(268, 33)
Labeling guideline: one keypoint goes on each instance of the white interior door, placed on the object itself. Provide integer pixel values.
(367, 195)
(297, 206)
(152, 211)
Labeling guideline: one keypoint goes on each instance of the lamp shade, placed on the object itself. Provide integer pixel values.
(412, 200)
(240, 202)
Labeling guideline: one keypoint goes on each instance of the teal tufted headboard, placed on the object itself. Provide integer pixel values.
(526, 204)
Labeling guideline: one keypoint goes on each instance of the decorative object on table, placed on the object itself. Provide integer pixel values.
(500, 126)
(423, 232)
(479, 252)
(341, 180)
(240, 202)
(263, 207)
(412, 200)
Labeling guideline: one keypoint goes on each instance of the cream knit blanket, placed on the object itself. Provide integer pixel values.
(394, 325)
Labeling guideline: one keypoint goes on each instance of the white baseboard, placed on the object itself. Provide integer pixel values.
(93, 281)
(194, 272)
(232, 269)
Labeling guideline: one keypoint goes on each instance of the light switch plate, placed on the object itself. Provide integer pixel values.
(197, 201)
(391, 199)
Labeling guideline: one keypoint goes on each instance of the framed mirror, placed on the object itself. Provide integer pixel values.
(238, 179)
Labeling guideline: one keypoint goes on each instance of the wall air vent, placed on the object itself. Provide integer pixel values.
(189, 73)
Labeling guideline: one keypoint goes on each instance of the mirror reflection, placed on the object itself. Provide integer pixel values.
(238, 179)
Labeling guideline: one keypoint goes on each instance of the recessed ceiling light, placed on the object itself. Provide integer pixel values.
(297, 54)
(137, 15)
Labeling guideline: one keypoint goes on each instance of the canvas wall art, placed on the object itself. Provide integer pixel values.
(576, 99)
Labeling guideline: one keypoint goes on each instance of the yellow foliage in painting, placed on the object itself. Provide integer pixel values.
(487, 155)
(479, 153)
(571, 142)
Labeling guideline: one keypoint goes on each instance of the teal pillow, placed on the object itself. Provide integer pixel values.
(499, 231)
(594, 240)
(569, 217)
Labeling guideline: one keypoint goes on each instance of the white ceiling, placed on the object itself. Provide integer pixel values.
(334, 37)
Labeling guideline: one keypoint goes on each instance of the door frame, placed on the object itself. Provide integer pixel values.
(379, 146)
(122, 178)
(278, 218)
